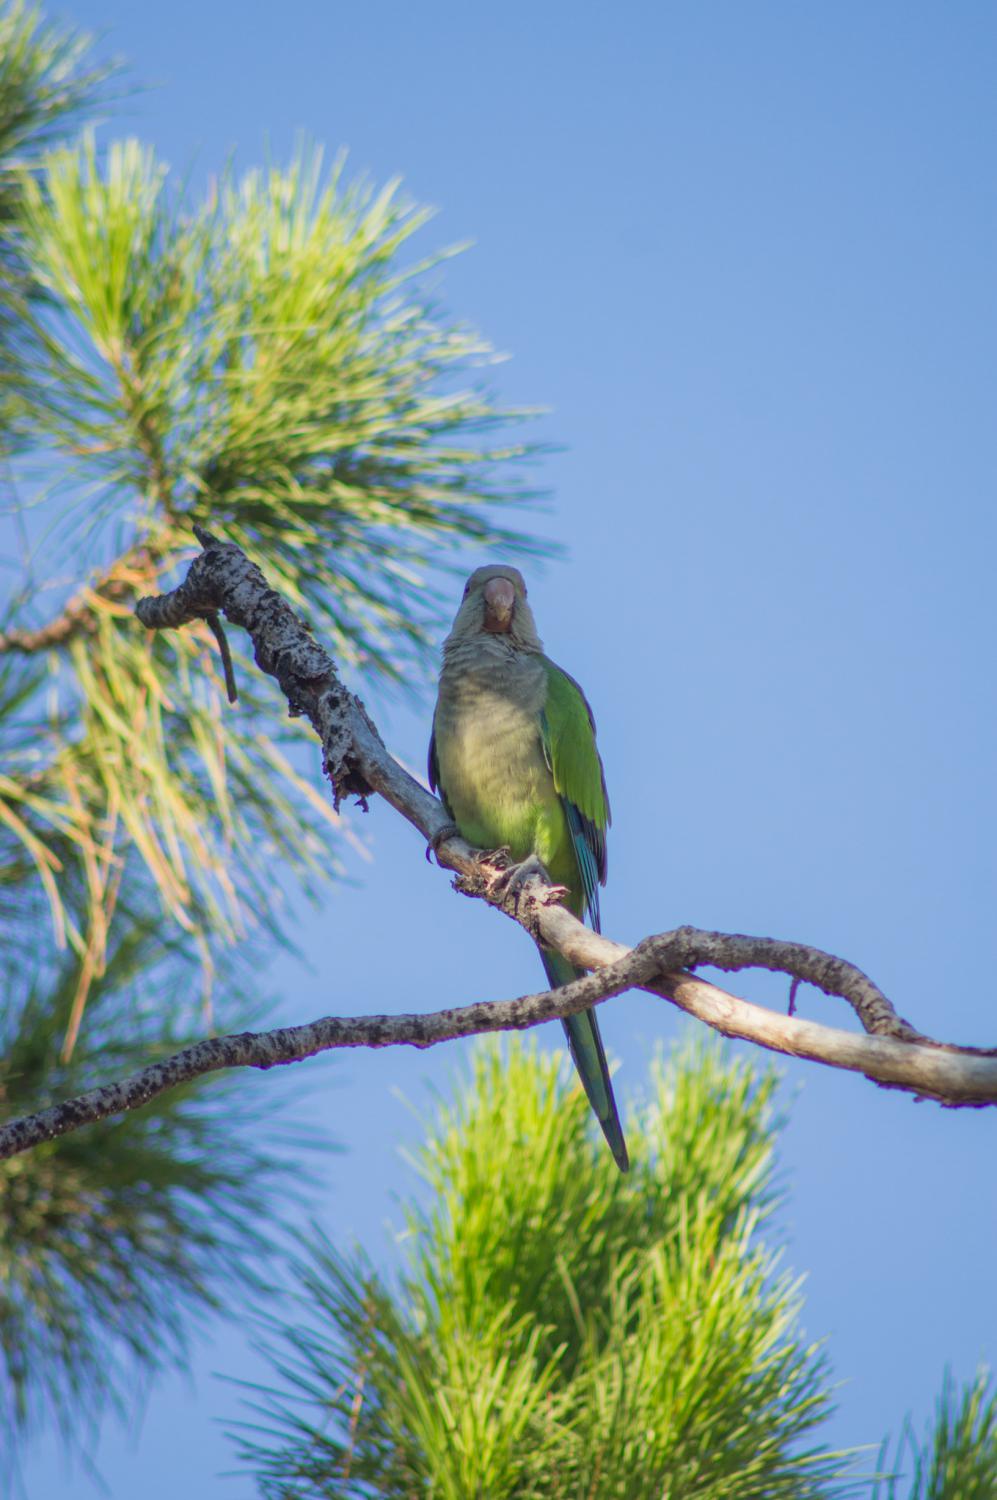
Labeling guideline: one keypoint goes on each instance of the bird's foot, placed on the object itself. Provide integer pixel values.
(512, 880)
(448, 831)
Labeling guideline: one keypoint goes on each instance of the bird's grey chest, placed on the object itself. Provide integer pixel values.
(488, 732)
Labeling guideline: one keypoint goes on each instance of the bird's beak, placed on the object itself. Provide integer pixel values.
(500, 600)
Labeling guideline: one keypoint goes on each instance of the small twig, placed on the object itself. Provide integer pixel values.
(218, 631)
(791, 1007)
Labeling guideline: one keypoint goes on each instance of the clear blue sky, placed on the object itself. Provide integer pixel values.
(746, 255)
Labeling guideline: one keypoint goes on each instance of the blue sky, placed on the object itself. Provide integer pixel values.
(745, 255)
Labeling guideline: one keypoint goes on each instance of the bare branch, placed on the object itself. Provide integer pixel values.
(891, 1052)
(288, 1044)
(952, 1075)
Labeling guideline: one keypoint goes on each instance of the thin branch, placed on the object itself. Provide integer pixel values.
(80, 615)
(891, 1052)
(288, 1044)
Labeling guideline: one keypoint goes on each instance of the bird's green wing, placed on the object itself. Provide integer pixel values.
(568, 734)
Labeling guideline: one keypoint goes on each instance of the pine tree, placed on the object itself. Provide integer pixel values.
(556, 1329)
(559, 1329)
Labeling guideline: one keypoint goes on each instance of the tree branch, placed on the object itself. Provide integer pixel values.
(269, 1049)
(892, 1052)
(79, 616)
(953, 1075)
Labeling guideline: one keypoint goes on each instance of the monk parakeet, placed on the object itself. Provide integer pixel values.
(514, 757)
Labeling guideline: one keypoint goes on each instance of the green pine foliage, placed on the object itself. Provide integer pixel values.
(560, 1329)
(46, 84)
(957, 1458)
(265, 362)
(112, 1235)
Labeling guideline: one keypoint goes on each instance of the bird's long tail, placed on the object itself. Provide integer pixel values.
(585, 1046)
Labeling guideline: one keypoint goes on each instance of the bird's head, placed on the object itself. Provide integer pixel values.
(494, 604)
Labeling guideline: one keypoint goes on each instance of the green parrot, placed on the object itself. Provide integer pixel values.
(514, 757)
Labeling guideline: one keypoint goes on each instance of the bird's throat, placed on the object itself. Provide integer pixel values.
(498, 622)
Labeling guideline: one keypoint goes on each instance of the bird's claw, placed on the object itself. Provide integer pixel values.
(448, 831)
(512, 880)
